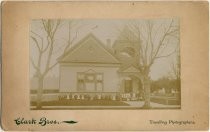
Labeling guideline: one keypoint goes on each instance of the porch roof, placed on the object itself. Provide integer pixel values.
(129, 69)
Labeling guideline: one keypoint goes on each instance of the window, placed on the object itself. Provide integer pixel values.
(90, 82)
(80, 82)
(99, 82)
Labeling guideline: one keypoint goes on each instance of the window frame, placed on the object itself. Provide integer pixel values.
(85, 79)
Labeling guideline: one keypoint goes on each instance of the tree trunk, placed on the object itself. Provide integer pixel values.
(146, 86)
(39, 93)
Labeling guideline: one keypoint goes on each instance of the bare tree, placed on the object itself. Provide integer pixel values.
(46, 47)
(153, 38)
(176, 71)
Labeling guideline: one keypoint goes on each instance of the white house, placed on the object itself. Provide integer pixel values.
(92, 69)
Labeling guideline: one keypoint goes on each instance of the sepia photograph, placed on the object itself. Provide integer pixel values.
(105, 64)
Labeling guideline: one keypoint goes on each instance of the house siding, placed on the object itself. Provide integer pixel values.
(68, 77)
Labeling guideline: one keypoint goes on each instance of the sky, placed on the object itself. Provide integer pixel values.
(103, 29)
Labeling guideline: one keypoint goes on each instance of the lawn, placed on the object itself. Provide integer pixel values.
(82, 103)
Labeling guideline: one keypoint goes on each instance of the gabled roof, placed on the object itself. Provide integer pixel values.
(129, 69)
(89, 50)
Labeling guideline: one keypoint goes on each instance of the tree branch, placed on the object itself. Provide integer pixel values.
(56, 27)
(71, 40)
(42, 43)
(50, 67)
(161, 42)
(157, 57)
(51, 30)
(33, 64)
(36, 42)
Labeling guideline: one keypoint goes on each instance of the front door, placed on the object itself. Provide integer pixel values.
(128, 86)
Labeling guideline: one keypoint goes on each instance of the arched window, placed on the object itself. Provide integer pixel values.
(129, 51)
